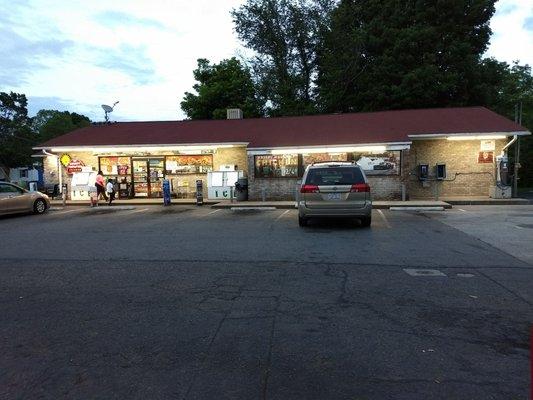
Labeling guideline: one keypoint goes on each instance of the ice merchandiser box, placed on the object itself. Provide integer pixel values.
(221, 184)
(82, 184)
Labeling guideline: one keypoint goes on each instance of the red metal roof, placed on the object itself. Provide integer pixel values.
(317, 130)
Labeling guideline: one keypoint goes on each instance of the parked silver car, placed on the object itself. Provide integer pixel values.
(335, 189)
(14, 199)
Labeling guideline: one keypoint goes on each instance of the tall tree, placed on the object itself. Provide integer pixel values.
(390, 54)
(284, 34)
(507, 87)
(16, 137)
(51, 123)
(221, 86)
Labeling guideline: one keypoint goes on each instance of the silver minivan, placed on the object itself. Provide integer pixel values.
(335, 189)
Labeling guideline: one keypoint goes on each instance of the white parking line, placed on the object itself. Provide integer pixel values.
(384, 219)
(280, 216)
(210, 213)
(66, 212)
(138, 211)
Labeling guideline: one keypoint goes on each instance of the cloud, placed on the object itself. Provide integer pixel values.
(507, 9)
(112, 19)
(128, 59)
(21, 56)
(528, 24)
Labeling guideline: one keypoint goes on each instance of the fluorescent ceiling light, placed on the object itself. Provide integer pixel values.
(139, 149)
(362, 149)
(477, 137)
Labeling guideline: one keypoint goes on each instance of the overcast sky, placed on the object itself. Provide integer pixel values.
(75, 54)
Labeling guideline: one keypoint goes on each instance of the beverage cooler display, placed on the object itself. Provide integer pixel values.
(140, 178)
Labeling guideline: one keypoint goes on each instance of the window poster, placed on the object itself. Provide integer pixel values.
(189, 164)
(276, 166)
(115, 165)
(387, 163)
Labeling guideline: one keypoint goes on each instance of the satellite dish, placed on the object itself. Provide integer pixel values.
(107, 109)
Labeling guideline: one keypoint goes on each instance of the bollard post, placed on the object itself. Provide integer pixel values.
(263, 194)
(64, 194)
(404, 194)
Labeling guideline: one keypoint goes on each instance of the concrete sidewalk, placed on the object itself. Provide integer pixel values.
(292, 205)
(446, 203)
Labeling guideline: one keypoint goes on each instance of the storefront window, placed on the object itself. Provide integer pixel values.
(115, 166)
(386, 163)
(276, 166)
(189, 164)
(311, 158)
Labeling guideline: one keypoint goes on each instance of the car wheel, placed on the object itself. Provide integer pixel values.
(302, 221)
(366, 221)
(39, 206)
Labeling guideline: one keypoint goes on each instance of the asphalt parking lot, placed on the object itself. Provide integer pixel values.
(195, 303)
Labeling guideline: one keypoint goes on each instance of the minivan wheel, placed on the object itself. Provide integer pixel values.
(366, 221)
(302, 221)
(39, 206)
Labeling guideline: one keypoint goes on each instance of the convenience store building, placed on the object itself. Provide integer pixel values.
(391, 146)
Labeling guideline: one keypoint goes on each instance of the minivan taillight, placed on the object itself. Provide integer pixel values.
(360, 187)
(309, 189)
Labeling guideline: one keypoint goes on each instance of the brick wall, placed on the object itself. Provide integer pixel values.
(383, 187)
(230, 156)
(465, 176)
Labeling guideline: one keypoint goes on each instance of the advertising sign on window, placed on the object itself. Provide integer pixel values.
(276, 166)
(189, 164)
(387, 163)
(115, 165)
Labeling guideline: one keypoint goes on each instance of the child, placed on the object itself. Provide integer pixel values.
(110, 189)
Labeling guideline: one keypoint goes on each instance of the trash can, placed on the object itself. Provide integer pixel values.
(166, 192)
(241, 189)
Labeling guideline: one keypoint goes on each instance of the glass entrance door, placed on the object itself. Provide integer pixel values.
(140, 178)
(148, 175)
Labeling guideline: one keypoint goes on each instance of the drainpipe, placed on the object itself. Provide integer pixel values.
(515, 137)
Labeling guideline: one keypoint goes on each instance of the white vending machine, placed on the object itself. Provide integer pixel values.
(221, 184)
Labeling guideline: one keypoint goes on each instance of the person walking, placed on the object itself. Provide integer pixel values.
(100, 186)
(110, 189)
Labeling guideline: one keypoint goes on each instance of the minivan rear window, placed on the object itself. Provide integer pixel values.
(334, 176)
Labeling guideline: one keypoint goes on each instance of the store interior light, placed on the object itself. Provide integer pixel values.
(476, 137)
(331, 150)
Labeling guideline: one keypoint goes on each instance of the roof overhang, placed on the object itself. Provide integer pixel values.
(141, 147)
(347, 148)
(468, 136)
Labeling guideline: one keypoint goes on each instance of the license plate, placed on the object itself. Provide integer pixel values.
(334, 196)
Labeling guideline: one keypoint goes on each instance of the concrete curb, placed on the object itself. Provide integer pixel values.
(416, 208)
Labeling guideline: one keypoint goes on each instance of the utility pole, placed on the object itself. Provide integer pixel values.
(518, 120)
